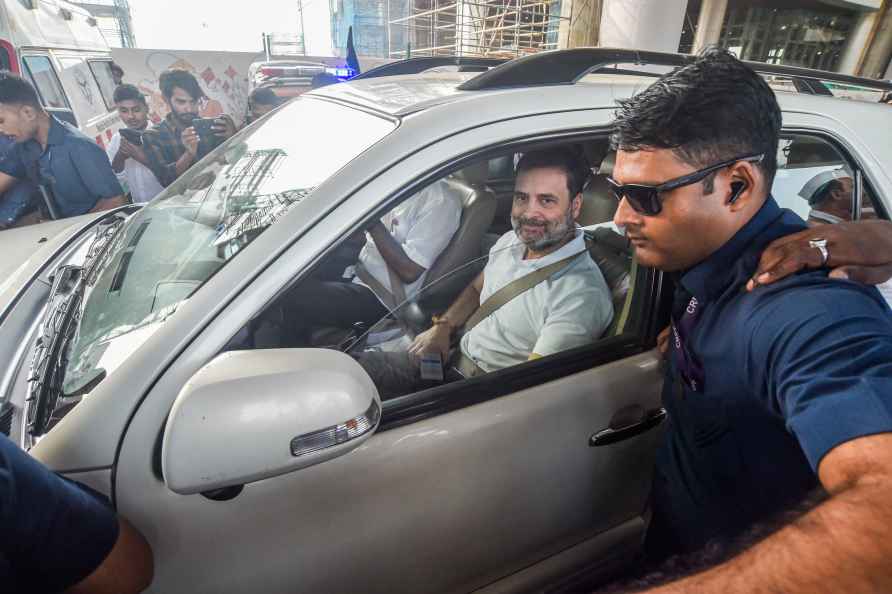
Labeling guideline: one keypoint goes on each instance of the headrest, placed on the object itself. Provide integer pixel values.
(475, 174)
(607, 163)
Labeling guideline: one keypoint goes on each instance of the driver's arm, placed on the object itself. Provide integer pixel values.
(394, 255)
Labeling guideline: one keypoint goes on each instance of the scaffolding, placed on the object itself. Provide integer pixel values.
(494, 28)
(113, 19)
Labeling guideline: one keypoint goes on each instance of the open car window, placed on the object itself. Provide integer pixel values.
(458, 227)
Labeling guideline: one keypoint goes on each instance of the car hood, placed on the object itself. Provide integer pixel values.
(27, 250)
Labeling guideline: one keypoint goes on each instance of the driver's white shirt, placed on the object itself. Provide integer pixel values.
(571, 309)
(423, 225)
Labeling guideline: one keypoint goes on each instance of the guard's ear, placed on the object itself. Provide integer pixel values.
(743, 184)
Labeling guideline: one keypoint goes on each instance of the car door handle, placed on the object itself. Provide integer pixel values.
(644, 422)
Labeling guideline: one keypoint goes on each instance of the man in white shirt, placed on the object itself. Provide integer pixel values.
(128, 158)
(399, 250)
(570, 307)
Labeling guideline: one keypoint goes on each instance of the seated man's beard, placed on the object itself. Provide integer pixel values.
(553, 232)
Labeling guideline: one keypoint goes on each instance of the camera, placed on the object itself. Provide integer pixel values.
(131, 136)
(204, 128)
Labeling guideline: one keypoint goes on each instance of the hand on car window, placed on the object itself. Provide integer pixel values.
(860, 251)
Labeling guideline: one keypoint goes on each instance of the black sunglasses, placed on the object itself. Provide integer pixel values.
(646, 199)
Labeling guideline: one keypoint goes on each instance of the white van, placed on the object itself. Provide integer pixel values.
(58, 47)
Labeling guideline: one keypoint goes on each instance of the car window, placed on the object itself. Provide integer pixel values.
(102, 72)
(85, 95)
(204, 219)
(816, 181)
(42, 74)
(451, 228)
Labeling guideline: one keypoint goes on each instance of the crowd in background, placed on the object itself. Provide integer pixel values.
(50, 170)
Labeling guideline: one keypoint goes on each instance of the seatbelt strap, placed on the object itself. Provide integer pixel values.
(391, 299)
(467, 367)
(517, 287)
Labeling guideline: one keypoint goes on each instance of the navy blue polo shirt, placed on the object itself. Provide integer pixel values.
(53, 532)
(791, 370)
(74, 167)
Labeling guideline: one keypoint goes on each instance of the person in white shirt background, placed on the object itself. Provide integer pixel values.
(127, 156)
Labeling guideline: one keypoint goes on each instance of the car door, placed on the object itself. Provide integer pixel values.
(491, 483)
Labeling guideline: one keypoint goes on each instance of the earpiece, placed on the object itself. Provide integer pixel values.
(737, 189)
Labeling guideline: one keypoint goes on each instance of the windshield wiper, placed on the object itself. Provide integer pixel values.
(50, 360)
(45, 395)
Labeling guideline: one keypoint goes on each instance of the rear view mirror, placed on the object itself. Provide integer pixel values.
(252, 415)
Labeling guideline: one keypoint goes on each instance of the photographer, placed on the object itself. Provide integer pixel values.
(125, 151)
(182, 138)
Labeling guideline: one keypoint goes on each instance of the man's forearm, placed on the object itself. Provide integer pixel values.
(462, 308)
(184, 163)
(842, 545)
(395, 256)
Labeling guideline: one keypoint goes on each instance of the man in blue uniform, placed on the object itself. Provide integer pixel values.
(57, 535)
(772, 393)
(73, 169)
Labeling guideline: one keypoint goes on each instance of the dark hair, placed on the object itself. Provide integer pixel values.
(715, 108)
(182, 79)
(116, 68)
(264, 96)
(15, 90)
(127, 92)
(573, 166)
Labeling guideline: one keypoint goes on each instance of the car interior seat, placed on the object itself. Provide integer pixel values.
(598, 206)
(446, 278)
(478, 210)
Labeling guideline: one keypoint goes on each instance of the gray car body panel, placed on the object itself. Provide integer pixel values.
(542, 429)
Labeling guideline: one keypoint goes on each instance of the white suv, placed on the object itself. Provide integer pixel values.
(143, 353)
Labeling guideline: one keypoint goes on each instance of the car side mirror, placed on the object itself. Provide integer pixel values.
(253, 415)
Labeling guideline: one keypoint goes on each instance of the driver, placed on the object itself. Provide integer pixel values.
(569, 307)
(391, 266)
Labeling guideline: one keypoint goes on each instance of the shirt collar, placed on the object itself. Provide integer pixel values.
(56, 133)
(711, 276)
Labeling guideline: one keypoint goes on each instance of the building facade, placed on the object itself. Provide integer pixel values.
(850, 36)
(113, 19)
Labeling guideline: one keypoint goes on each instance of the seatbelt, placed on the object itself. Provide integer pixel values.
(392, 300)
(515, 288)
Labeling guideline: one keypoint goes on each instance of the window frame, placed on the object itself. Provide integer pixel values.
(860, 175)
(639, 335)
(55, 76)
(109, 101)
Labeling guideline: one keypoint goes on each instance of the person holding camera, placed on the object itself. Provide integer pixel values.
(125, 150)
(182, 138)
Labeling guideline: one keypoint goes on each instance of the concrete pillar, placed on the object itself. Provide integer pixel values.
(876, 58)
(857, 42)
(709, 25)
(642, 24)
(580, 22)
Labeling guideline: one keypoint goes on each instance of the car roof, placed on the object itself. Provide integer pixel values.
(402, 95)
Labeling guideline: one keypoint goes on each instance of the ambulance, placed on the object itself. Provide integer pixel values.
(58, 46)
